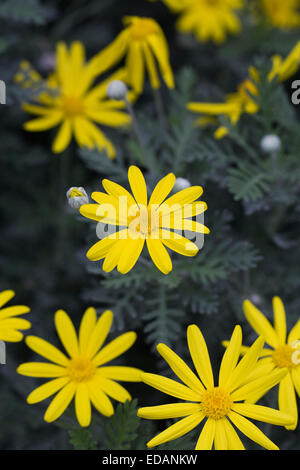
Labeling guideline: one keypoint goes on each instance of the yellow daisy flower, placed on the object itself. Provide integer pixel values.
(219, 406)
(243, 100)
(74, 105)
(207, 19)
(142, 41)
(9, 324)
(285, 353)
(141, 221)
(282, 14)
(82, 373)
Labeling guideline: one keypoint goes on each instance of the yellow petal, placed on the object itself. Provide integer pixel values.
(173, 410)
(86, 328)
(47, 350)
(207, 436)
(180, 368)
(233, 440)
(260, 324)
(99, 334)
(13, 311)
(287, 400)
(159, 255)
(100, 401)
(130, 255)
(220, 435)
(41, 369)
(177, 430)
(83, 405)
(231, 356)
(262, 413)
(245, 366)
(294, 334)
(115, 348)
(279, 319)
(200, 356)
(122, 373)
(170, 387)
(66, 332)
(46, 390)
(63, 137)
(138, 185)
(259, 386)
(113, 389)
(162, 189)
(60, 403)
(6, 296)
(251, 431)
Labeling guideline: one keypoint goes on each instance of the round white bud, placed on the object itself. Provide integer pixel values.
(117, 90)
(77, 197)
(270, 143)
(181, 183)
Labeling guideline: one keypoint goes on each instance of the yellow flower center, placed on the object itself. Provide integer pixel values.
(81, 369)
(72, 106)
(75, 193)
(283, 356)
(216, 403)
(145, 223)
(142, 28)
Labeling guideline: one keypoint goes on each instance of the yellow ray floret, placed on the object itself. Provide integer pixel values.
(10, 324)
(208, 20)
(244, 99)
(75, 105)
(217, 407)
(156, 223)
(283, 352)
(81, 373)
(144, 45)
(282, 14)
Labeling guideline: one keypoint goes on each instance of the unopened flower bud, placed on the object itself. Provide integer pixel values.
(117, 90)
(77, 197)
(270, 143)
(181, 183)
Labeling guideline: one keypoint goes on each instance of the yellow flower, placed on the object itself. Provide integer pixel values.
(82, 374)
(283, 14)
(72, 103)
(9, 324)
(207, 19)
(243, 100)
(142, 41)
(141, 221)
(220, 406)
(285, 353)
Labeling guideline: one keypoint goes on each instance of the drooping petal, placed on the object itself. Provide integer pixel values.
(83, 405)
(287, 400)
(159, 255)
(220, 435)
(60, 402)
(130, 255)
(262, 413)
(251, 431)
(207, 435)
(177, 430)
(47, 389)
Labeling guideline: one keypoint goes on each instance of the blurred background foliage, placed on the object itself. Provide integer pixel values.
(253, 212)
